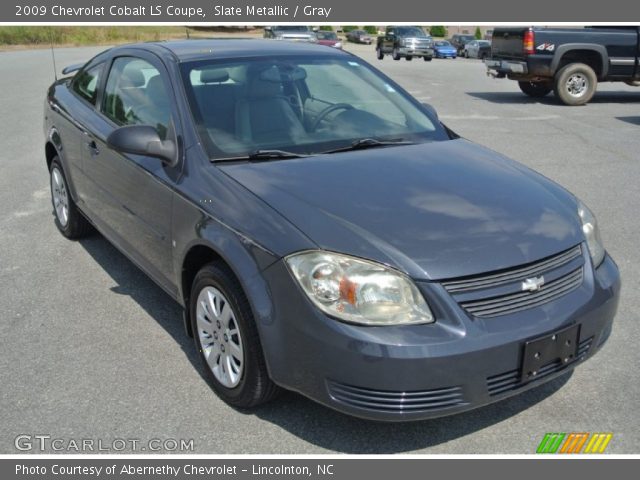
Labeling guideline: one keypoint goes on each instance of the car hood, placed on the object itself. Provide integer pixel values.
(435, 210)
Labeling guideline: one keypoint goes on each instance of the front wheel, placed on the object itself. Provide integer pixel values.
(575, 84)
(408, 58)
(395, 54)
(68, 218)
(427, 59)
(227, 338)
(379, 53)
(535, 89)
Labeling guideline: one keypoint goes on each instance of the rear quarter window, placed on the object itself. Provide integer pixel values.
(85, 84)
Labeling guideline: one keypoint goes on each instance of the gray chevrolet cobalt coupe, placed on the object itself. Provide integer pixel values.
(324, 232)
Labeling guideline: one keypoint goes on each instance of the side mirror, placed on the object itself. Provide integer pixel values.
(143, 140)
(429, 108)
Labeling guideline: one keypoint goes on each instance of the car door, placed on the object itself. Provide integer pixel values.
(73, 112)
(389, 39)
(134, 193)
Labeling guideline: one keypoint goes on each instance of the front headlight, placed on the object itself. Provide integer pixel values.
(359, 291)
(592, 234)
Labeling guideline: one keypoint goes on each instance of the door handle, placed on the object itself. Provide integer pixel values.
(92, 146)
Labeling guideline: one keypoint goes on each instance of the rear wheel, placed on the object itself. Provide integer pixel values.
(68, 218)
(395, 54)
(227, 338)
(408, 58)
(575, 84)
(427, 59)
(535, 89)
(379, 53)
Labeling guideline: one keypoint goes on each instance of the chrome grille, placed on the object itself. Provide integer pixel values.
(501, 278)
(398, 402)
(516, 302)
(504, 292)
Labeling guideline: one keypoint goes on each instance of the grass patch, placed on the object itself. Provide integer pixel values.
(80, 36)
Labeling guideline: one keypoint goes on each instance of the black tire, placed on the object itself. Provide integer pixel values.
(379, 53)
(408, 58)
(255, 387)
(427, 59)
(466, 54)
(395, 55)
(563, 78)
(535, 89)
(76, 225)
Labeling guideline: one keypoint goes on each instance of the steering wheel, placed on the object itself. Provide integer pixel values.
(331, 108)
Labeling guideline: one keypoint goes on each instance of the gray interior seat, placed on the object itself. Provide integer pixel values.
(265, 116)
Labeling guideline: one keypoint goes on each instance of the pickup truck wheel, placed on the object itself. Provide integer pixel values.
(535, 89)
(575, 84)
(427, 59)
(227, 338)
(408, 58)
(395, 55)
(379, 53)
(68, 218)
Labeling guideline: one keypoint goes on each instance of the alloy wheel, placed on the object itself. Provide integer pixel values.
(219, 336)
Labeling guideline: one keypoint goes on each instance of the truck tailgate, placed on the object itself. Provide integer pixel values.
(507, 43)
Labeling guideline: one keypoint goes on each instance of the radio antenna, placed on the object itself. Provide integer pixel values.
(53, 56)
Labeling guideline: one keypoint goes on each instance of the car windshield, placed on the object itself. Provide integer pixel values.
(300, 104)
(410, 32)
(484, 43)
(327, 36)
(442, 43)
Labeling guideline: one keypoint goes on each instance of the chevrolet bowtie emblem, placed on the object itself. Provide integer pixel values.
(532, 284)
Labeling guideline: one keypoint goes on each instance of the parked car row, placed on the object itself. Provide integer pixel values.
(302, 33)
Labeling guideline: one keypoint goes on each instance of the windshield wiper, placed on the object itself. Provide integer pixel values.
(259, 155)
(364, 143)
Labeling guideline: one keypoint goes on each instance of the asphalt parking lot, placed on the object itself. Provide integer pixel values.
(93, 349)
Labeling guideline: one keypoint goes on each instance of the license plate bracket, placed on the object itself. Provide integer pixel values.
(560, 346)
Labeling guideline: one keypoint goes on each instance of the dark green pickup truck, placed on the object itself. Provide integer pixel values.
(569, 61)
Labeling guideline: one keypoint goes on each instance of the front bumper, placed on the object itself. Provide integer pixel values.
(446, 54)
(424, 371)
(415, 52)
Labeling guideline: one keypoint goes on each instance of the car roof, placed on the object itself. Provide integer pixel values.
(201, 49)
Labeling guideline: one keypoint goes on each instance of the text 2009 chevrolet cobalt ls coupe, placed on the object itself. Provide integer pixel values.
(323, 230)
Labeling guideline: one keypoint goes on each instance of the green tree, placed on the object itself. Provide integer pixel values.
(349, 28)
(438, 31)
(326, 28)
(478, 33)
(371, 29)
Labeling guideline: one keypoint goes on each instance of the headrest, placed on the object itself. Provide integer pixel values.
(133, 78)
(214, 75)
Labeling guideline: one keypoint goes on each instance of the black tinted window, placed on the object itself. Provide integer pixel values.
(135, 95)
(86, 83)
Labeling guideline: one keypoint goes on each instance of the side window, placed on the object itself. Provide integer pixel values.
(135, 95)
(86, 83)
